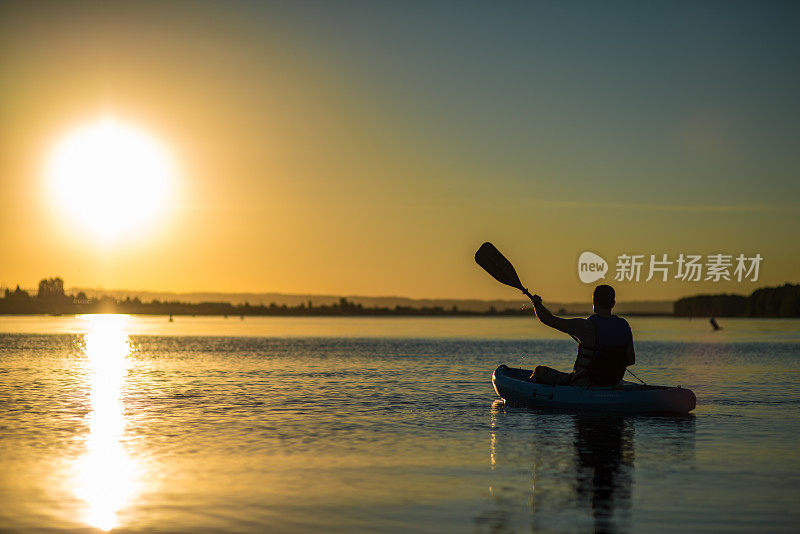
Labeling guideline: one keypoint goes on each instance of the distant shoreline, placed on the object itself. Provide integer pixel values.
(499, 315)
(343, 308)
(51, 299)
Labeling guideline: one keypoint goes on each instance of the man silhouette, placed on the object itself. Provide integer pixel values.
(605, 344)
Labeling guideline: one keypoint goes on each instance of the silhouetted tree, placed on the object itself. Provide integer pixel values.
(19, 294)
(51, 289)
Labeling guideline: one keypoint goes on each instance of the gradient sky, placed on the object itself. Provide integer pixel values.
(370, 148)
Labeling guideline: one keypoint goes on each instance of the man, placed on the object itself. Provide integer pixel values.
(605, 344)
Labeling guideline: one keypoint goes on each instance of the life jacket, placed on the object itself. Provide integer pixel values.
(605, 361)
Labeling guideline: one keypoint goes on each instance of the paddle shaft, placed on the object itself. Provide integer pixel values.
(528, 293)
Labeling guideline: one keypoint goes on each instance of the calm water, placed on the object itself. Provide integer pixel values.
(383, 425)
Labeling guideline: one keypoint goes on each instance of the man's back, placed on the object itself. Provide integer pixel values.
(605, 343)
(611, 329)
(605, 349)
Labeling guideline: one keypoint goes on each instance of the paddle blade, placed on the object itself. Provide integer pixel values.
(498, 266)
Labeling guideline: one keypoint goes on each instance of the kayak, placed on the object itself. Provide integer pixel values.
(515, 387)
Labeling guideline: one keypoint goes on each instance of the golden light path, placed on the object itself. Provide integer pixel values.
(106, 475)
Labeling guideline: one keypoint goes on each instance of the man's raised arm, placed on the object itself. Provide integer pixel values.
(573, 327)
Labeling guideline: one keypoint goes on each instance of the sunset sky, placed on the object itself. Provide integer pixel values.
(370, 148)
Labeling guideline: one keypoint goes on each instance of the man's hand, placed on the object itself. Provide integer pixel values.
(536, 299)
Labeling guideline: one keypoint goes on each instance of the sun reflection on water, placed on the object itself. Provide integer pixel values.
(106, 475)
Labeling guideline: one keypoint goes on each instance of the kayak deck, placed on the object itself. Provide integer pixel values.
(514, 386)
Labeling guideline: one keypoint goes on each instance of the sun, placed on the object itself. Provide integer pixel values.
(110, 178)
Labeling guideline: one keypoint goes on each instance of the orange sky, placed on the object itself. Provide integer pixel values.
(371, 149)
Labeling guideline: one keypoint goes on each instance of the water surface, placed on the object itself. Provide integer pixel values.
(388, 425)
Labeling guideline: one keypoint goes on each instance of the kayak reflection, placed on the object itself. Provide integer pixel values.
(555, 471)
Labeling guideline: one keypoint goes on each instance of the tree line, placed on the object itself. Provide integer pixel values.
(781, 301)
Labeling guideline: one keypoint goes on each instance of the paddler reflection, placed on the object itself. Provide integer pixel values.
(604, 458)
(556, 471)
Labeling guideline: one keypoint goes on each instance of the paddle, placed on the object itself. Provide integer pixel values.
(494, 263)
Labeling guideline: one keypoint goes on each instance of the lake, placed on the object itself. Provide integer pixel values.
(138, 424)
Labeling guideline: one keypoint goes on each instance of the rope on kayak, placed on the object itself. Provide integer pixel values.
(637, 378)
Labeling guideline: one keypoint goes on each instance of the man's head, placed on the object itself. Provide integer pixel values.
(603, 297)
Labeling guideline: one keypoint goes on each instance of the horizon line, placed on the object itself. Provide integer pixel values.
(672, 207)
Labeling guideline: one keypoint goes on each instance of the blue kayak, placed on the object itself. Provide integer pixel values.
(515, 387)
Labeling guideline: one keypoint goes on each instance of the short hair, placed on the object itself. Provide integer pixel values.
(604, 296)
